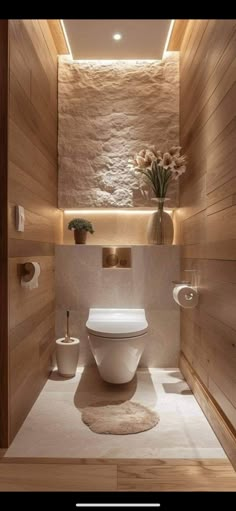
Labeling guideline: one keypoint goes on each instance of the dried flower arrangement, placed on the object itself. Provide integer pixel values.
(159, 168)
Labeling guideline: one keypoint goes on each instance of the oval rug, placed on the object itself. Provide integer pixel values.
(119, 419)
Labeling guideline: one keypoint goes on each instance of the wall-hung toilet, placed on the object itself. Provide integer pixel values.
(117, 339)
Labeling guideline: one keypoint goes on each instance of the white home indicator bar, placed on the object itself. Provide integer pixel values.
(118, 505)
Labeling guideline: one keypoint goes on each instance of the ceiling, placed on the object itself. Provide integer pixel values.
(141, 39)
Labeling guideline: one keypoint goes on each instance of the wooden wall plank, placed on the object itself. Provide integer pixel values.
(24, 303)
(37, 227)
(208, 209)
(21, 183)
(194, 229)
(49, 40)
(219, 421)
(27, 379)
(227, 407)
(222, 191)
(33, 185)
(58, 37)
(31, 122)
(25, 328)
(193, 35)
(35, 158)
(4, 361)
(221, 225)
(177, 35)
(217, 35)
(210, 128)
(29, 248)
(224, 68)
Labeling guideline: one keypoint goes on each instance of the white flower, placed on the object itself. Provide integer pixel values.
(158, 168)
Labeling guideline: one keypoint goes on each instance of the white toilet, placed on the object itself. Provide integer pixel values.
(117, 339)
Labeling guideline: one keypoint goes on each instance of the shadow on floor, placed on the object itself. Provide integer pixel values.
(55, 376)
(176, 374)
(180, 388)
(92, 390)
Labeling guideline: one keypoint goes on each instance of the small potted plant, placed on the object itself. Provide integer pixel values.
(80, 226)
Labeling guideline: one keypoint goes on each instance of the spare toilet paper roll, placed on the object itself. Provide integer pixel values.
(185, 296)
(30, 279)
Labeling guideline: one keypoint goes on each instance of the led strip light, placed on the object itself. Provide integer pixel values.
(105, 61)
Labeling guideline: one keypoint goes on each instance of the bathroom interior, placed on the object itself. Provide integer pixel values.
(153, 320)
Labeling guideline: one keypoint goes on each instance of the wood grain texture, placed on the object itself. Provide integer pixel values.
(32, 184)
(57, 477)
(198, 476)
(4, 412)
(116, 475)
(58, 37)
(28, 248)
(207, 216)
(177, 35)
(220, 423)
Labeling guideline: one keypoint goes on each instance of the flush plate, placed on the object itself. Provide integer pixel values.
(116, 257)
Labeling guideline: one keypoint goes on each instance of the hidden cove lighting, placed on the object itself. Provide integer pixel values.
(107, 211)
(66, 38)
(113, 211)
(117, 36)
(165, 52)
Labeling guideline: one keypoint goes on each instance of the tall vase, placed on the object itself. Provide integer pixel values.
(160, 226)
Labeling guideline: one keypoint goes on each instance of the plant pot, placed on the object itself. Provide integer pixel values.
(80, 236)
(67, 355)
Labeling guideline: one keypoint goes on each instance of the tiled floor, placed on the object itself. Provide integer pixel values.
(54, 428)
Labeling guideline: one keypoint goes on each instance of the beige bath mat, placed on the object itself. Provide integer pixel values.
(119, 419)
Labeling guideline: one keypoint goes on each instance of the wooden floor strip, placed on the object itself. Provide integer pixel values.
(117, 475)
(57, 477)
(199, 476)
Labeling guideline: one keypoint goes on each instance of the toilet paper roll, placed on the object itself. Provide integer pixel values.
(185, 296)
(30, 279)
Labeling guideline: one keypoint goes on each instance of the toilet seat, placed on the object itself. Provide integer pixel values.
(117, 323)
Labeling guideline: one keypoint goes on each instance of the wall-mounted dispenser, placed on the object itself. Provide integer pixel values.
(185, 295)
(20, 218)
(185, 292)
(30, 275)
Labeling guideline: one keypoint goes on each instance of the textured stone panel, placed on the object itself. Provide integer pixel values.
(108, 112)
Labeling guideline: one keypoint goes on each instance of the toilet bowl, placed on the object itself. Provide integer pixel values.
(117, 339)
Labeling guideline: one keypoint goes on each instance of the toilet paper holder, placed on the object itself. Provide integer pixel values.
(185, 294)
(192, 282)
(28, 271)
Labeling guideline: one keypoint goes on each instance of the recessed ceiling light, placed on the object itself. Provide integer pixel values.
(117, 37)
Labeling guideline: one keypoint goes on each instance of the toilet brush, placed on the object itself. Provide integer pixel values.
(67, 352)
(67, 335)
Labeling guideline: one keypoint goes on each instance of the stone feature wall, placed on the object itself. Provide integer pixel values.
(107, 112)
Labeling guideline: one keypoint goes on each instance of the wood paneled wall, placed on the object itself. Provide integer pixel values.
(208, 203)
(32, 183)
(4, 359)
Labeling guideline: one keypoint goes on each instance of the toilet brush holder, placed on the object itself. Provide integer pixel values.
(67, 355)
(67, 352)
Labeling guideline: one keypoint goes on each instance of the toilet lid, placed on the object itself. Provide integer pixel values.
(117, 323)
